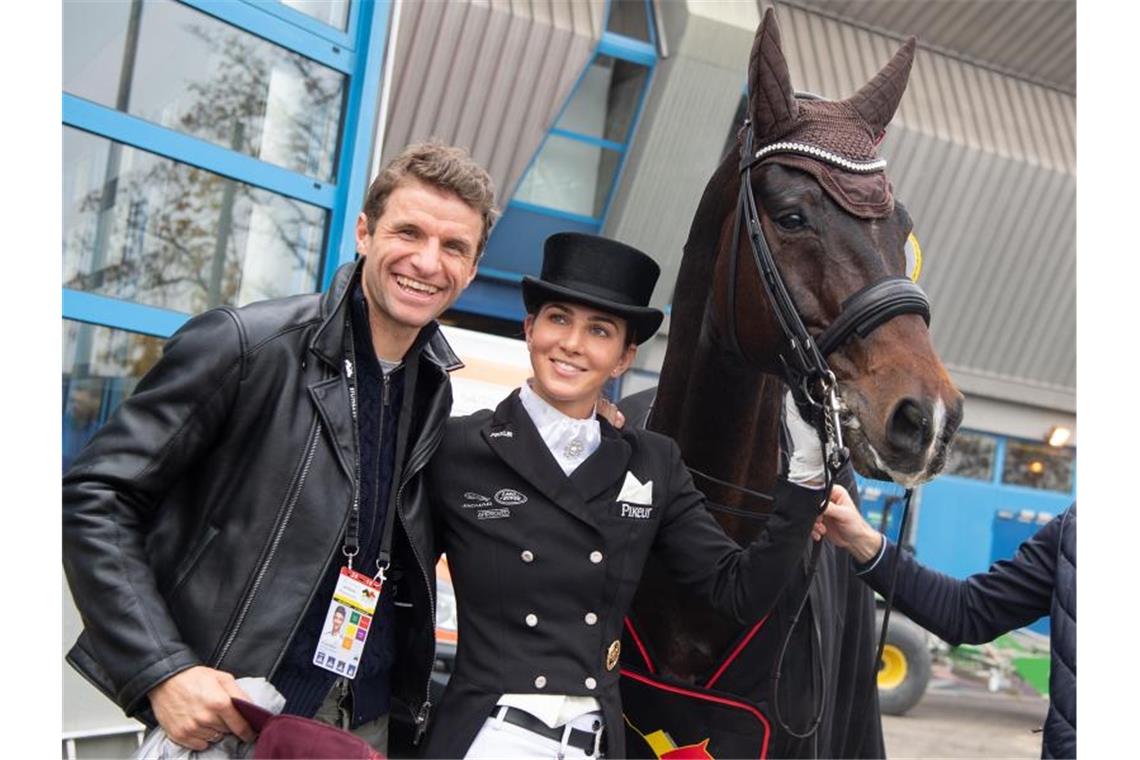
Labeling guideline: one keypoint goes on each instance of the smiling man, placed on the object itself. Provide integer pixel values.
(266, 471)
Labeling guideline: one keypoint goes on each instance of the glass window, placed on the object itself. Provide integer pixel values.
(605, 99)
(331, 12)
(177, 67)
(1036, 465)
(148, 229)
(570, 175)
(101, 366)
(629, 18)
(972, 456)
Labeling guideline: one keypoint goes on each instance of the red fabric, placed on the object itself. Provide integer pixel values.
(291, 737)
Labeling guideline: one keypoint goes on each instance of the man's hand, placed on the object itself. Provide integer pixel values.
(609, 410)
(845, 527)
(195, 710)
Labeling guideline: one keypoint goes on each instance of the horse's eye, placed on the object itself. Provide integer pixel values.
(792, 221)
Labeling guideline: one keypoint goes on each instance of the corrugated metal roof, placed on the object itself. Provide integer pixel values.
(1035, 40)
(985, 163)
(488, 75)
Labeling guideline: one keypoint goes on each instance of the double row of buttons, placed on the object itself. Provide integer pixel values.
(591, 618)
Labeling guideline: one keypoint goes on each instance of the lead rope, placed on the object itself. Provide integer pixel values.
(903, 523)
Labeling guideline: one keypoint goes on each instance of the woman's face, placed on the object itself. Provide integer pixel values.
(574, 350)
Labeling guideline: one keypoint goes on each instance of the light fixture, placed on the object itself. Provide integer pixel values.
(1059, 435)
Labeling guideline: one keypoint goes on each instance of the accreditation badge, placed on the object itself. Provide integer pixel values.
(347, 623)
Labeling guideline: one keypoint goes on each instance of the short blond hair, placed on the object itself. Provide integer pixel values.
(446, 167)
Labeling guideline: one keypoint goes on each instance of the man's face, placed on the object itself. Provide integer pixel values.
(420, 256)
(338, 621)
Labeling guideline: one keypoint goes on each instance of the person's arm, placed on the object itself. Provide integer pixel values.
(1011, 594)
(110, 497)
(742, 583)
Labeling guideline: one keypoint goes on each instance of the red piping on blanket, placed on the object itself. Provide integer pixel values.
(708, 698)
(739, 648)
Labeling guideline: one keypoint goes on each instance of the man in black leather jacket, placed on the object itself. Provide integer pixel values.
(1041, 579)
(205, 526)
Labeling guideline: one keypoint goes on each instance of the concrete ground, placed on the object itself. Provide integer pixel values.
(952, 721)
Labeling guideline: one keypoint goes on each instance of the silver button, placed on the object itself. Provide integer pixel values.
(540, 682)
(591, 683)
(532, 620)
(595, 556)
(591, 618)
(527, 555)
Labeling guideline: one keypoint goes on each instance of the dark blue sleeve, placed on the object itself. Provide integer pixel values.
(1011, 594)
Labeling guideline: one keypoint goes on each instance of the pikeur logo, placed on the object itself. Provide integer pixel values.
(509, 496)
(636, 511)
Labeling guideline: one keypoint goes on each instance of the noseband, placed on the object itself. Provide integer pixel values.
(802, 358)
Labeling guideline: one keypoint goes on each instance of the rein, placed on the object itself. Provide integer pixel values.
(803, 359)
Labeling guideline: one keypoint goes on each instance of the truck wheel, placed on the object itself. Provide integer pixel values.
(905, 669)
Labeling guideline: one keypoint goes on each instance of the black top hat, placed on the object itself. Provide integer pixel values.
(605, 274)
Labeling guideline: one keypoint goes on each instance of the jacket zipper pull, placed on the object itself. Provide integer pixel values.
(421, 722)
(385, 400)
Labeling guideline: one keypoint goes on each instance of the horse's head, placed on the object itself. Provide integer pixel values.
(833, 228)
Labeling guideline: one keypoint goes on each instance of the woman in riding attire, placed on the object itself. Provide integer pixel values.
(547, 515)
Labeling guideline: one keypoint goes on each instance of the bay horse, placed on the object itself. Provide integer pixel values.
(838, 239)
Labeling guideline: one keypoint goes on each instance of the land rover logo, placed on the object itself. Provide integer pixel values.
(510, 496)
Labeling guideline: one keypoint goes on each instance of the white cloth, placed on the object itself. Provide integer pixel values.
(499, 739)
(557, 431)
(570, 440)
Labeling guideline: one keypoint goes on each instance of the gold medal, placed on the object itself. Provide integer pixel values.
(612, 654)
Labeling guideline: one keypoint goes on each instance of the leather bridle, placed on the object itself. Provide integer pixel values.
(803, 358)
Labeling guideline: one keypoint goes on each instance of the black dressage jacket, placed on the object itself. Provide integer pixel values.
(1041, 579)
(198, 522)
(533, 553)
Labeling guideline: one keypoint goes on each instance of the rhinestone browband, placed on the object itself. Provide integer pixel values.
(812, 151)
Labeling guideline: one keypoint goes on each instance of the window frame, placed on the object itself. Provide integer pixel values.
(619, 48)
(358, 53)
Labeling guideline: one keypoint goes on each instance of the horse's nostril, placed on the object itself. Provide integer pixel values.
(911, 427)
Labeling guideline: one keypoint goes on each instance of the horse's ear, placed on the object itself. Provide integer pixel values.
(877, 101)
(771, 98)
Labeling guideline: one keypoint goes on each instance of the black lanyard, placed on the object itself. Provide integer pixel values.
(351, 545)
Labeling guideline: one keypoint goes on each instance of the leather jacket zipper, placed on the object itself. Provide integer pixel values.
(415, 466)
(425, 708)
(275, 541)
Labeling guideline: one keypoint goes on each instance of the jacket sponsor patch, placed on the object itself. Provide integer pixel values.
(509, 496)
(472, 500)
(634, 511)
(502, 434)
(495, 513)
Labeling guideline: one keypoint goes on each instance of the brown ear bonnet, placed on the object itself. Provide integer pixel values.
(836, 141)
